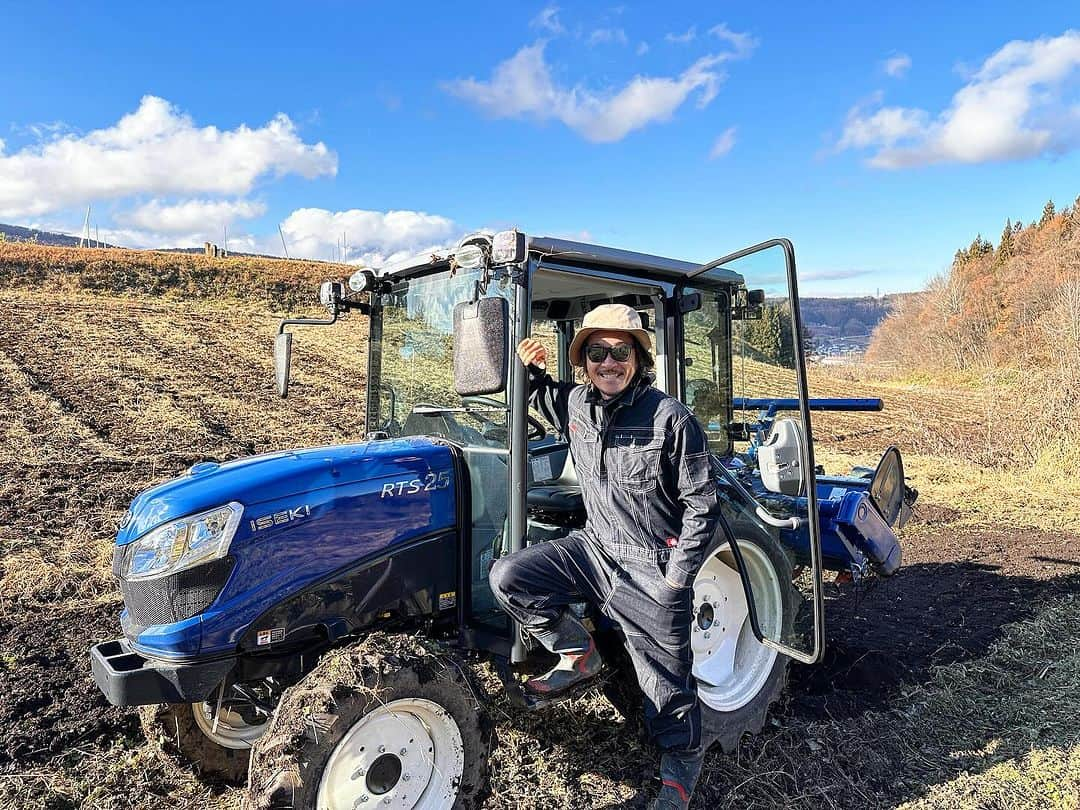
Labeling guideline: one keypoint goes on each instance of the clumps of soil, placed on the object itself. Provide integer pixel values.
(958, 587)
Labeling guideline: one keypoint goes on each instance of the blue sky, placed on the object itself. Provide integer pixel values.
(878, 138)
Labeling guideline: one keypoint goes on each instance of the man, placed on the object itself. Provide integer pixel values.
(651, 509)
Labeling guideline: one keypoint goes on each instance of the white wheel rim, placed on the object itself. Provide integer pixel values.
(232, 730)
(730, 664)
(405, 754)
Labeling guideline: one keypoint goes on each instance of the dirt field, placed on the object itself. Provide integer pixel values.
(931, 678)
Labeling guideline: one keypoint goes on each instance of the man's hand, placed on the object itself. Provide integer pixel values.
(532, 352)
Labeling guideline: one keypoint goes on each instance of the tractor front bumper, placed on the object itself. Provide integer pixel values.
(128, 678)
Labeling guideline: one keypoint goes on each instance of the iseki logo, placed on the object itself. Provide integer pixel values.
(280, 518)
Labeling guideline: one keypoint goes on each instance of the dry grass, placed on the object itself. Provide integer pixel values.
(276, 283)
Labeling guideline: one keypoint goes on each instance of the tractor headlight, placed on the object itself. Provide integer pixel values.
(185, 542)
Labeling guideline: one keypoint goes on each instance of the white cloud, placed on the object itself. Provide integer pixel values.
(831, 275)
(155, 150)
(191, 216)
(548, 20)
(743, 43)
(896, 66)
(1014, 107)
(723, 144)
(603, 35)
(642, 49)
(374, 237)
(688, 36)
(523, 86)
(884, 127)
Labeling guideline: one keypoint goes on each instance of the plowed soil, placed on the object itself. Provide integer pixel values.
(102, 397)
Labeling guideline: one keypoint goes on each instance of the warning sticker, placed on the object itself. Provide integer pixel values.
(541, 467)
(447, 600)
(270, 636)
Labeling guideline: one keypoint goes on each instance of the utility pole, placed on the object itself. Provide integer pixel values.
(84, 237)
(283, 245)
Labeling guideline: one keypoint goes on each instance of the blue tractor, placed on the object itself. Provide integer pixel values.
(307, 620)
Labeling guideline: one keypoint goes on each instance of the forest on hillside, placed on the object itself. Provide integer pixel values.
(1006, 314)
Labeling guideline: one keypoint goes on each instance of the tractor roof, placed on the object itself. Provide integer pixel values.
(565, 252)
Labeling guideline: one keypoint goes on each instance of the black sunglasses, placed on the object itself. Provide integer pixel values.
(620, 352)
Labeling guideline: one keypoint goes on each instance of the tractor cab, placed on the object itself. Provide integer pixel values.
(442, 365)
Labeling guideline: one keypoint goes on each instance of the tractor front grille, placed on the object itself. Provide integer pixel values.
(175, 597)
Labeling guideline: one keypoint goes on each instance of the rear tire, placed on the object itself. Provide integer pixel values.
(391, 717)
(740, 703)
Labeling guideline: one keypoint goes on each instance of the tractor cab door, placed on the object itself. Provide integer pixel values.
(743, 374)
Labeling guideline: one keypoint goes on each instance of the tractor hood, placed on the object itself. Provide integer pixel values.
(310, 517)
(274, 477)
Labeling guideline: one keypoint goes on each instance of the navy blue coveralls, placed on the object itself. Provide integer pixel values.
(651, 507)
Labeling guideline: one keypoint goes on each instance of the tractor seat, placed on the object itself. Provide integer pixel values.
(559, 500)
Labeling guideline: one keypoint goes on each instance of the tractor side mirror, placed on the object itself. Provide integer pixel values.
(747, 305)
(480, 354)
(282, 356)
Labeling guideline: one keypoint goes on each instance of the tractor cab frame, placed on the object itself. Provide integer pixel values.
(441, 364)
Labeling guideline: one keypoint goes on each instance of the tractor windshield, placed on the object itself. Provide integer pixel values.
(411, 385)
(411, 393)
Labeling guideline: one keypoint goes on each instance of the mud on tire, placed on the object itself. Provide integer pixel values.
(355, 686)
(175, 737)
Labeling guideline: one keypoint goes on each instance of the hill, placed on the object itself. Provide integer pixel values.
(1006, 318)
(277, 283)
(843, 325)
(16, 233)
(36, 236)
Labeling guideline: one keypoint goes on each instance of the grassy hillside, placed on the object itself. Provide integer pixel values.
(278, 284)
(1004, 320)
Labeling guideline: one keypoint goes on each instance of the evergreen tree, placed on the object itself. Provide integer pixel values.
(981, 247)
(1048, 213)
(1005, 246)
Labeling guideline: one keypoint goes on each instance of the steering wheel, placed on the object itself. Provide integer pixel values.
(537, 430)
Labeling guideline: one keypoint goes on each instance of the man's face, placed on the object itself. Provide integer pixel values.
(609, 375)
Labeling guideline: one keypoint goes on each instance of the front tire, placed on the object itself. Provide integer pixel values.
(183, 735)
(392, 719)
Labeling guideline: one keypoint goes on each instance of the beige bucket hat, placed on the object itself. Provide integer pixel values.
(608, 318)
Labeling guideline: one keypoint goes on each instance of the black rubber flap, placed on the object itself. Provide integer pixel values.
(480, 355)
(887, 486)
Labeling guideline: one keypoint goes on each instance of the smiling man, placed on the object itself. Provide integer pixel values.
(651, 508)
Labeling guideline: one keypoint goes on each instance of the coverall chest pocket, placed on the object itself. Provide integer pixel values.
(585, 449)
(634, 458)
